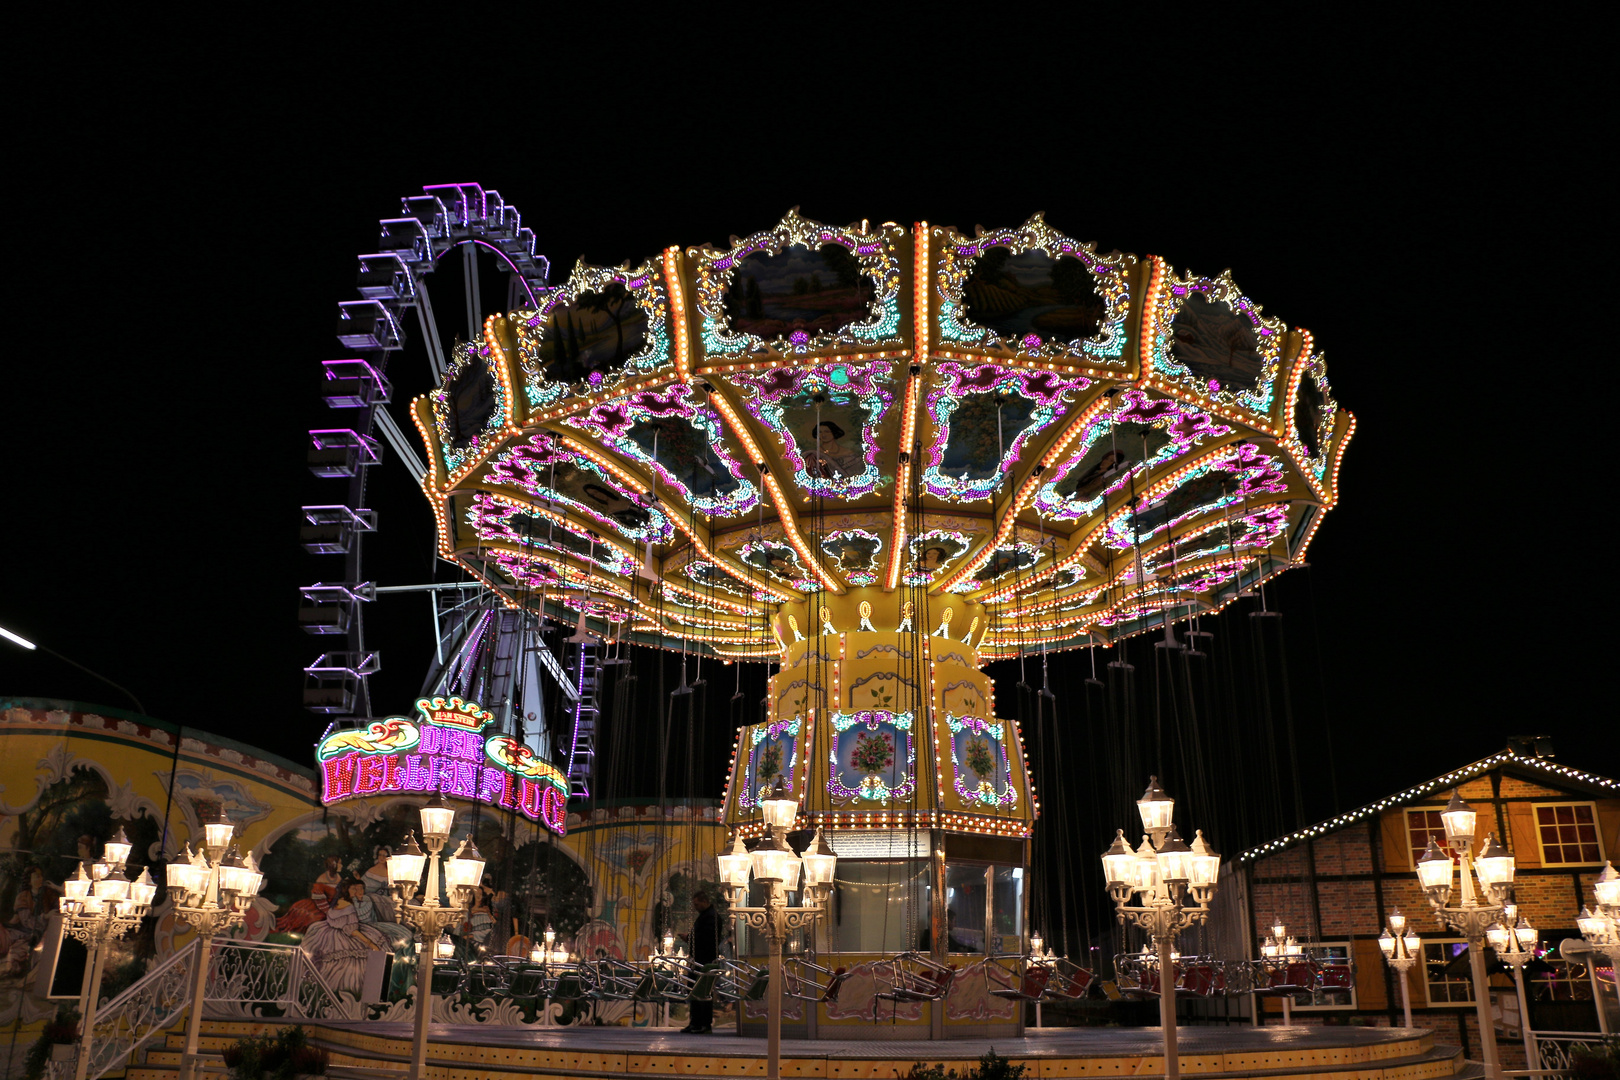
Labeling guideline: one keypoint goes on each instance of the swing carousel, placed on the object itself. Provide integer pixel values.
(876, 458)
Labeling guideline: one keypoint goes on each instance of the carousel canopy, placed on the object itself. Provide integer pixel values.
(1079, 446)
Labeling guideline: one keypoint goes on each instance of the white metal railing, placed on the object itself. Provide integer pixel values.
(246, 977)
(1554, 1049)
(143, 1011)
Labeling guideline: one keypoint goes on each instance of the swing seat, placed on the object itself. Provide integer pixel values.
(911, 976)
(526, 980)
(486, 980)
(741, 982)
(1032, 987)
(615, 980)
(706, 985)
(570, 986)
(1202, 979)
(1294, 977)
(1336, 977)
(449, 976)
(1068, 981)
(806, 980)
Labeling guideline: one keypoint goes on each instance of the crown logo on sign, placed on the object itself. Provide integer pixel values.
(454, 713)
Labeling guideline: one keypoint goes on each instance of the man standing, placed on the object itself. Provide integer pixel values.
(705, 939)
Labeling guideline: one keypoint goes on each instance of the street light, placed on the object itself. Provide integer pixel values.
(18, 639)
(1401, 952)
(1601, 928)
(98, 909)
(1477, 912)
(212, 890)
(426, 914)
(1162, 874)
(1277, 953)
(774, 864)
(1514, 940)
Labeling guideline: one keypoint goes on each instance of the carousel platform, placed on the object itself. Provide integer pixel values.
(382, 1050)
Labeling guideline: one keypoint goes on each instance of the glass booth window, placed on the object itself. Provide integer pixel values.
(965, 896)
(878, 906)
(1007, 909)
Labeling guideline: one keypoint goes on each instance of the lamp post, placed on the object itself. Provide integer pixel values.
(425, 913)
(775, 865)
(97, 909)
(1401, 952)
(1162, 874)
(1513, 940)
(1277, 953)
(212, 890)
(1474, 916)
(1601, 929)
(546, 954)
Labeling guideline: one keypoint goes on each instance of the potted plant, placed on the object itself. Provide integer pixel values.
(287, 1055)
(56, 1042)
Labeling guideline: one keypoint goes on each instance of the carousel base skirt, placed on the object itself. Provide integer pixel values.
(611, 1053)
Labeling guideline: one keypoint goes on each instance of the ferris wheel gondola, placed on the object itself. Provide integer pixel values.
(474, 247)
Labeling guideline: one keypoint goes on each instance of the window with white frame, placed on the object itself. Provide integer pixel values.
(1446, 976)
(1421, 827)
(1336, 983)
(1568, 834)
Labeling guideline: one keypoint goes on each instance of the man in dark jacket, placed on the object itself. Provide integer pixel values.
(705, 940)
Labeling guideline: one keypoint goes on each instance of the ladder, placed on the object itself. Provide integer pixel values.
(582, 757)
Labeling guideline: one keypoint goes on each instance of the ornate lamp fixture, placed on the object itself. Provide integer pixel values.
(97, 909)
(1493, 867)
(1162, 876)
(774, 864)
(1401, 952)
(211, 890)
(422, 909)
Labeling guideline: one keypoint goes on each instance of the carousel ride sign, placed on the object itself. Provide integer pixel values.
(446, 750)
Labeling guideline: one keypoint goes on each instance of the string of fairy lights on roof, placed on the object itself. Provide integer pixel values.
(1439, 783)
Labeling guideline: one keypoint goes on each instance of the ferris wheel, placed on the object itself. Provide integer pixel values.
(453, 255)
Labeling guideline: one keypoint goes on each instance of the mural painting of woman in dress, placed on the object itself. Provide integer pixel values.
(341, 944)
(829, 456)
(323, 893)
(828, 434)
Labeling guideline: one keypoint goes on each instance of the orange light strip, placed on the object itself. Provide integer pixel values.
(498, 356)
(536, 510)
(1338, 458)
(677, 308)
(634, 481)
(431, 485)
(1150, 315)
(790, 529)
(921, 290)
(671, 585)
(1032, 482)
(784, 513)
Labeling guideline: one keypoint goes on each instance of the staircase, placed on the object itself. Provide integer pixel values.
(582, 757)
(162, 1062)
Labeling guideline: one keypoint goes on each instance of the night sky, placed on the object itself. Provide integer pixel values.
(184, 221)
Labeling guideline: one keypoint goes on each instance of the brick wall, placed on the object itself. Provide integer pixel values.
(1348, 851)
(1348, 907)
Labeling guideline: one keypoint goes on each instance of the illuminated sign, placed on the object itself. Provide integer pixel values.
(444, 751)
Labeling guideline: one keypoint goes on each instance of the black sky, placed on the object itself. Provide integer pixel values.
(187, 202)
